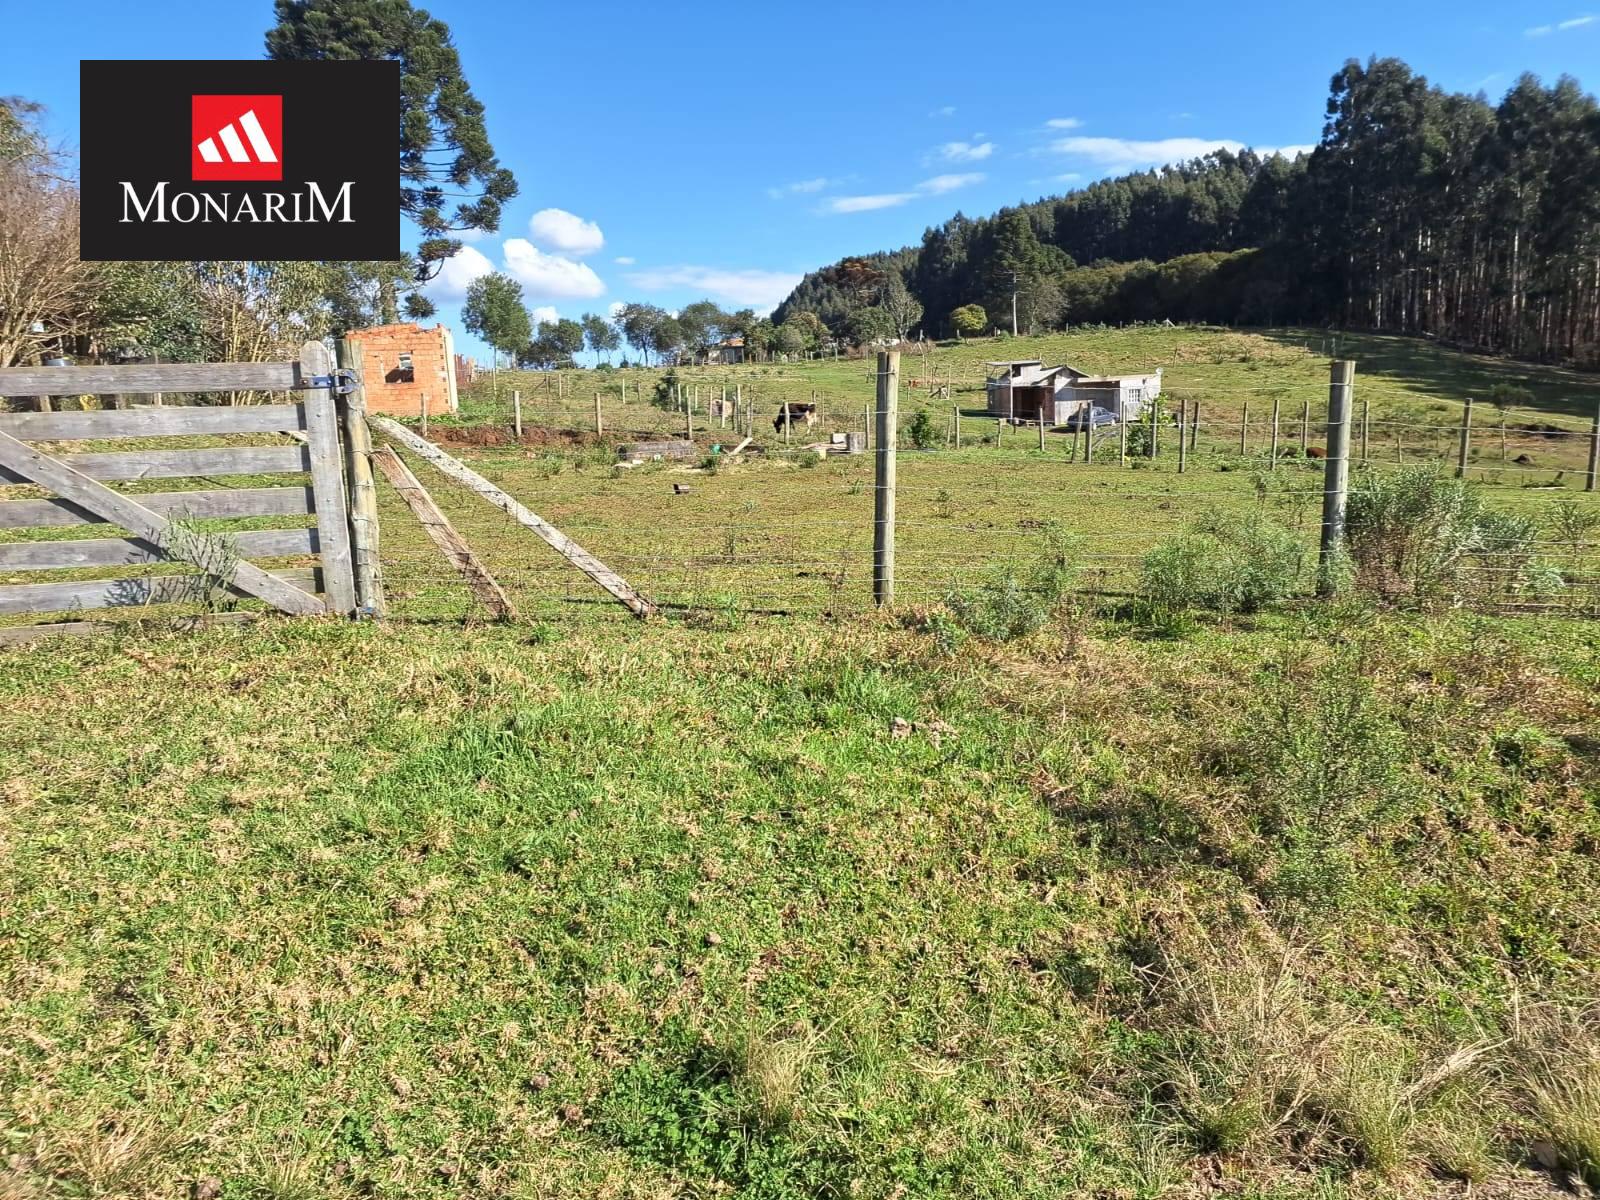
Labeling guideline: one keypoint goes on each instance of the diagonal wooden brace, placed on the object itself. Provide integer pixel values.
(201, 550)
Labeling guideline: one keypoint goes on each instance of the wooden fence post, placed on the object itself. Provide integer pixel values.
(599, 418)
(1183, 440)
(1466, 438)
(1366, 427)
(1041, 435)
(1273, 464)
(362, 485)
(957, 410)
(1305, 427)
(1336, 475)
(883, 493)
(1244, 429)
(516, 413)
(1155, 424)
(1594, 452)
(1194, 426)
(1088, 435)
(422, 404)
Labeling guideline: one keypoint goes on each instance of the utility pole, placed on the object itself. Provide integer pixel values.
(1015, 332)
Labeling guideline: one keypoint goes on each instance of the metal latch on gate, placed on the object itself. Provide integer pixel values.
(342, 382)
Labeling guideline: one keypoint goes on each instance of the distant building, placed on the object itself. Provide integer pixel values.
(466, 370)
(726, 352)
(399, 363)
(1027, 390)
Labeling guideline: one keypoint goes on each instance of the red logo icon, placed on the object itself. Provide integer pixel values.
(237, 137)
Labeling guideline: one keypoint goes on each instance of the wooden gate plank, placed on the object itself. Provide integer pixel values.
(327, 480)
(127, 512)
(122, 552)
(146, 377)
(560, 542)
(484, 585)
(183, 464)
(130, 592)
(153, 422)
(216, 502)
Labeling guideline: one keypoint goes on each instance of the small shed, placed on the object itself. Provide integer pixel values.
(1027, 390)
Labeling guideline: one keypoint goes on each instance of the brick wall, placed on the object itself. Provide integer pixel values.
(387, 390)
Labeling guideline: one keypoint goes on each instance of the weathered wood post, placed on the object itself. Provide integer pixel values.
(1041, 435)
(1336, 475)
(1194, 426)
(516, 413)
(1244, 429)
(1183, 439)
(956, 409)
(1466, 438)
(1088, 435)
(1594, 452)
(1122, 434)
(1273, 464)
(1155, 424)
(1366, 427)
(422, 404)
(883, 493)
(363, 487)
(688, 420)
(599, 417)
(1305, 426)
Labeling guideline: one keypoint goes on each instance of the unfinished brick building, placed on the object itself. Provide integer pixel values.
(401, 363)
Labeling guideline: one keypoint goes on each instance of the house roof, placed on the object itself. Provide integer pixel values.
(1016, 362)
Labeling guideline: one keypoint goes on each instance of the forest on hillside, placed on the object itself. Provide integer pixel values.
(1421, 211)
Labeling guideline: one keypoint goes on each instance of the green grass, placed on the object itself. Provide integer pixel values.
(333, 910)
(1414, 389)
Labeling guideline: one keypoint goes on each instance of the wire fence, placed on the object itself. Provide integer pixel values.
(787, 528)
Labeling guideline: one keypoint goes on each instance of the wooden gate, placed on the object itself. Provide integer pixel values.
(161, 526)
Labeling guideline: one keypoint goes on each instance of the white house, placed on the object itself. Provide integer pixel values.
(1027, 390)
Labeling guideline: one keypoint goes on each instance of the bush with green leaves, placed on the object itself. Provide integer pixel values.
(921, 431)
(1224, 564)
(1417, 535)
(1010, 603)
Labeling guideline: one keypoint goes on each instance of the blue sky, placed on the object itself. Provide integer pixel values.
(721, 150)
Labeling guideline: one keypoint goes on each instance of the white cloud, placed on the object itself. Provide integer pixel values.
(550, 276)
(760, 290)
(937, 186)
(1114, 154)
(565, 233)
(1066, 177)
(940, 184)
(457, 273)
(949, 110)
(615, 307)
(958, 152)
(545, 314)
(855, 204)
(624, 260)
(1560, 26)
(1063, 123)
(803, 187)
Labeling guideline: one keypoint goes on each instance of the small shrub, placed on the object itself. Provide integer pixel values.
(1421, 536)
(1009, 603)
(921, 430)
(1224, 565)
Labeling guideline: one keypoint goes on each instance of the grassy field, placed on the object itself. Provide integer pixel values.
(1414, 390)
(778, 898)
(1300, 905)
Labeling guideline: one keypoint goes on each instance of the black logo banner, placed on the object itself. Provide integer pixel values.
(239, 160)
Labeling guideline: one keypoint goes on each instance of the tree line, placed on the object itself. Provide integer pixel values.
(494, 310)
(1420, 211)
